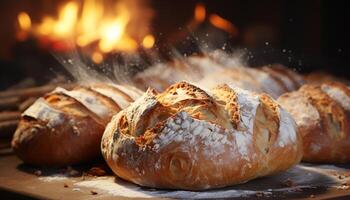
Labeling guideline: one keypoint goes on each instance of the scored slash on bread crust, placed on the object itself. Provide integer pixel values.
(65, 127)
(323, 118)
(339, 92)
(228, 97)
(332, 114)
(288, 79)
(187, 138)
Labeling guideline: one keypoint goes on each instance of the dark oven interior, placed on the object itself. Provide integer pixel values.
(305, 35)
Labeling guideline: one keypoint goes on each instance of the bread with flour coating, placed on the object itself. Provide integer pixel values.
(220, 68)
(274, 79)
(65, 126)
(322, 113)
(288, 79)
(186, 138)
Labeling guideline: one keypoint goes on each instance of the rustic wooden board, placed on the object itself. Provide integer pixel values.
(303, 181)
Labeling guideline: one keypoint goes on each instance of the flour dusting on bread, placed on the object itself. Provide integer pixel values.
(187, 138)
(338, 95)
(42, 111)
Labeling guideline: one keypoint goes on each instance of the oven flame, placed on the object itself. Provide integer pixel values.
(199, 12)
(201, 16)
(25, 24)
(223, 24)
(90, 24)
(112, 31)
(97, 57)
(24, 21)
(148, 41)
(66, 20)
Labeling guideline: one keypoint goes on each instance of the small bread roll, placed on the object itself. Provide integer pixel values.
(322, 113)
(65, 127)
(186, 138)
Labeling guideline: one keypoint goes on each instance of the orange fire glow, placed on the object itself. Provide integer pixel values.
(25, 24)
(148, 41)
(24, 21)
(201, 15)
(89, 24)
(199, 12)
(223, 24)
(97, 57)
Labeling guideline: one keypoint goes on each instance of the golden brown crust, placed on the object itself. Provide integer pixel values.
(35, 143)
(64, 127)
(193, 140)
(228, 97)
(322, 121)
(195, 101)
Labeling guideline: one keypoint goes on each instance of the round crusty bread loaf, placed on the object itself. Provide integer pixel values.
(65, 127)
(185, 138)
(322, 113)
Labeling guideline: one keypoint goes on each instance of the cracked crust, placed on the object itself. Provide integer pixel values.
(186, 138)
(228, 98)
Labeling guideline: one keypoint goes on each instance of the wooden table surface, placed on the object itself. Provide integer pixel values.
(18, 180)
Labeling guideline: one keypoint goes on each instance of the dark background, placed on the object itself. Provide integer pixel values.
(305, 35)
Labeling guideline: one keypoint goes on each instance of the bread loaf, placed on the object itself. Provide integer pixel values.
(322, 113)
(186, 138)
(274, 79)
(211, 70)
(65, 127)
